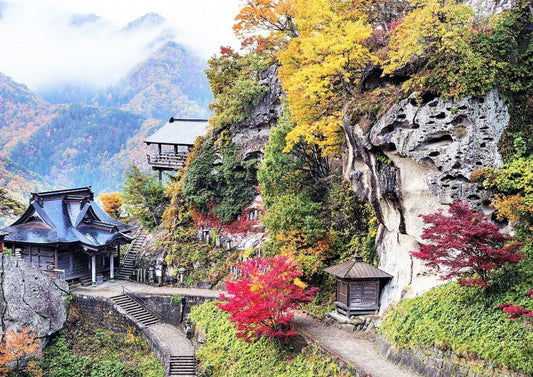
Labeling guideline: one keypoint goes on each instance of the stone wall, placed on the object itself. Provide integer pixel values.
(100, 313)
(169, 312)
(433, 362)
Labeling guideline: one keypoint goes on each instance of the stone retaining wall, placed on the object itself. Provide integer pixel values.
(172, 312)
(433, 362)
(99, 312)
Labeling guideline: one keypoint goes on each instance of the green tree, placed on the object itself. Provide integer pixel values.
(144, 197)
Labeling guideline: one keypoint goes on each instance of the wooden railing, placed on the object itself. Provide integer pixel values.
(167, 160)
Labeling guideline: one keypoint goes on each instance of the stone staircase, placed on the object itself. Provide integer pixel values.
(141, 315)
(128, 261)
(182, 366)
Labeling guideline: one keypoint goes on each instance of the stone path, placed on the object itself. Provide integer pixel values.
(355, 349)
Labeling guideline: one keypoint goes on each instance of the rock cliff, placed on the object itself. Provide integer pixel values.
(414, 160)
(251, 135)
(28, 297)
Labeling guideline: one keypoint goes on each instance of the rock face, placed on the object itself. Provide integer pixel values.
(252, 133)
(486, 8)
(28, 297)
(414, 160)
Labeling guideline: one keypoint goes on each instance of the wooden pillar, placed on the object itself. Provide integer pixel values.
(159, 148)
(176, 149)
(56, 258)
(93, 269)
(160, 175)
(111, 267)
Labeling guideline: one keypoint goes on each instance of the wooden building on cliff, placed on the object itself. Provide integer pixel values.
(67, 234)
(174, 142)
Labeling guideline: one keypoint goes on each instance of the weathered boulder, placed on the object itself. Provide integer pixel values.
(29, 297)
(414, 160)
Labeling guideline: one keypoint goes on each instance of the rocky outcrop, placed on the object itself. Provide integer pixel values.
(414, 160)
(251, 135)
(486, 8)
(29, 297)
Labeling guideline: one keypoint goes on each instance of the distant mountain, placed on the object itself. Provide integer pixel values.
(148, 21)
(170, 82)
(71, 148)
(22, 112)
(83, 19)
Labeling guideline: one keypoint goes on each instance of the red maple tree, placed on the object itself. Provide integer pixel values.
(260, 301)
(514, 311)
(463, 242)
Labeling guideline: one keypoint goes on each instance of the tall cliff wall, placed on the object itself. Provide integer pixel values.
(415, 160)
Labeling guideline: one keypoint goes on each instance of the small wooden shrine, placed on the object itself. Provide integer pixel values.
(359, 287)
(68, 235)
(174, 141)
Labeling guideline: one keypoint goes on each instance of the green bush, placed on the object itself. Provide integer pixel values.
(225, 355)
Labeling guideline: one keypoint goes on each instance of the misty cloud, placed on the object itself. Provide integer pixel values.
(43, 45)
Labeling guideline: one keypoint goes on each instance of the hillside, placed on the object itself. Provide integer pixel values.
(383, 116)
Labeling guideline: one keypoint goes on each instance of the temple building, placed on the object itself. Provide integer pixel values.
(174, 141)
(68, 235)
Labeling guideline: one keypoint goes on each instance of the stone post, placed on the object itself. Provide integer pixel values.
(93, 269)
(111, 267)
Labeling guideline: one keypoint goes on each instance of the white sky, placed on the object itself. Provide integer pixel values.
(39, 47)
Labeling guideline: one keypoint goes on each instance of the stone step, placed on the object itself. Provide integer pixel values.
(134, 309)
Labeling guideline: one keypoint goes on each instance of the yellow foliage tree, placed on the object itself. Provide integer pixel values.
(15, 349)
(266, 22)
(322, 66)
(111, 203)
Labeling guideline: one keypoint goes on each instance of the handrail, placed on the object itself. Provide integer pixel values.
(140, 301)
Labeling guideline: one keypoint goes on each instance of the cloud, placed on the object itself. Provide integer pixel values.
(41, 46)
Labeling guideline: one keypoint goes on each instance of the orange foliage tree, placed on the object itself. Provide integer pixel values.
(16, 348)
(111, 203)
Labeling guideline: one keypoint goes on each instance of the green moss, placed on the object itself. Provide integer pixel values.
(465, 321)
(225, 355)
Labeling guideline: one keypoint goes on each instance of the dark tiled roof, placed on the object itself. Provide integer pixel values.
(3, 233)
(66, 216)
(357, 269)
(179, 132)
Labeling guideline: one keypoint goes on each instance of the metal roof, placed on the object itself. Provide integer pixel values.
(357, 269)
(66, 216)
(179, 132)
